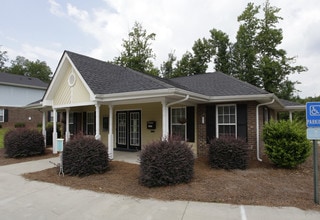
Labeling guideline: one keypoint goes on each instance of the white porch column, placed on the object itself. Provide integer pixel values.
(98, 136)
(110, 136)
(290, 116)
(54, 133)
(67, 135)
(44, 133)
(165, 120)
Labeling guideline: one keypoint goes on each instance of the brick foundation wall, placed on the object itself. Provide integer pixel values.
(22, 115)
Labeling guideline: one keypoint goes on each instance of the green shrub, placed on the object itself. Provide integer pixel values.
(166, 162)
(228, 153)
(23, 143)
(84, 156)
(286, 143)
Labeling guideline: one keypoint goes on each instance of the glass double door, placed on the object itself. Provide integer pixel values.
(128, 130)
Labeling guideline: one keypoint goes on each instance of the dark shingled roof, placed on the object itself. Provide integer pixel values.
(25, 81)
(218, 84)
(106, 78)
(290, 103)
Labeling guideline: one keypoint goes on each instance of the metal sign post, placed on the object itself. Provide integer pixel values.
(315, 173)
(313, 133)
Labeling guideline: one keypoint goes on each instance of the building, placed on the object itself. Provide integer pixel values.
(17, 91)
(126, 109)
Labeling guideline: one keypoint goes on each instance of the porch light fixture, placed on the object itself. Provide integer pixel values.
(202, 119)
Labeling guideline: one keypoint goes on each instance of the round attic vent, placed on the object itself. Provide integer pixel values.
(72, 79)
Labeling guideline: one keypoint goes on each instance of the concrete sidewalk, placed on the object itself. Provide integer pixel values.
(24, 199)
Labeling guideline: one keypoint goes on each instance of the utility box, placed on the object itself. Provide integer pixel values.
(151, 125)
(60, 144)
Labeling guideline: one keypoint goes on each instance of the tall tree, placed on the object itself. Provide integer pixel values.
(137, 53)
(3, 59)
(167, 68)
(220, 50)
(244, 54)
(273, 65)
(38, 69)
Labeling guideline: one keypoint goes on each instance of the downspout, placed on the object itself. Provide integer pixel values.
(179, 101)
(257, 127)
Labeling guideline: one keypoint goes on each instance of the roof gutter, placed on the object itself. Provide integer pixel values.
(257, 127)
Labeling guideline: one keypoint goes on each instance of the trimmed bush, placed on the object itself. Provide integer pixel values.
(23, 143)
(166, 162)
(84, 156)
(228, 153)
(286, 143)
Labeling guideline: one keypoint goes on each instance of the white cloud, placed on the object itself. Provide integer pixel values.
(177, 24)
(55, 8)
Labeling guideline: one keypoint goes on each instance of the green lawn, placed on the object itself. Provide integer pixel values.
(2, 132)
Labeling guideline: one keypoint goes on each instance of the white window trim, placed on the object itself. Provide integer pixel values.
(180, 124)
(2, 114)
(217, 119)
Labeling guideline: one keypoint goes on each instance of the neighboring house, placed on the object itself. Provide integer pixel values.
(126, 109)
(16, 92)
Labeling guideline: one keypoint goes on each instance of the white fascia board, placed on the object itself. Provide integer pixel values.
(23, 86)
(295, 108)
(150, 94)
(73, 105)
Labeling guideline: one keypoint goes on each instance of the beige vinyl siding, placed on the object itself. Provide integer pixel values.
(67, 94)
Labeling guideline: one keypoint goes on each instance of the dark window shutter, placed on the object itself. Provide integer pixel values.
(84, 121)
(211, 122)
(190, 123)
(6, 115)
(49, 116)
(58, 117)
(242, 121)
(169, 118)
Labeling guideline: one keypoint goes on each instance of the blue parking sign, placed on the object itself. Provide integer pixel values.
(313, 114)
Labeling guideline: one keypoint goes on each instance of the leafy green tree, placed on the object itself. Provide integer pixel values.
(167, 68)
(137, 53)
(191, 63)
(221, 50)
(244, 53)
(38, 69)
(255, 57)
(184, 66)
(3, 59)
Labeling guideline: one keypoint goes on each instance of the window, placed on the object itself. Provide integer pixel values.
(1, 115)
(71, 122)
(226, 118)
(90, 123)
(178, 122)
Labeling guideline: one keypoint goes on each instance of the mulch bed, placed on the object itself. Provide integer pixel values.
(261, 184)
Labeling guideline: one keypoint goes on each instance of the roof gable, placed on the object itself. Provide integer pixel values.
(106, 78)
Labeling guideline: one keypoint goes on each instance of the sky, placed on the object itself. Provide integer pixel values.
(43, 29)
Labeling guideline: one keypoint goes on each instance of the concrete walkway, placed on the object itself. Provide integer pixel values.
(24, 199)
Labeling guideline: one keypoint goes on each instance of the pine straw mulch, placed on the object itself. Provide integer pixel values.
(261, 184)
